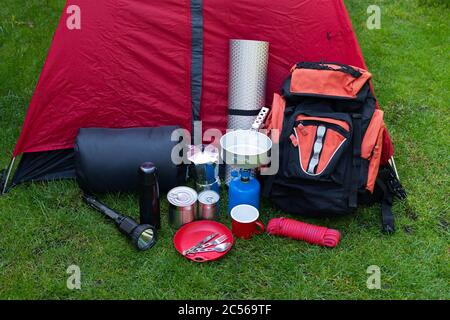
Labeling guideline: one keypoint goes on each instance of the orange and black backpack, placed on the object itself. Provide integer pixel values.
(330, 137)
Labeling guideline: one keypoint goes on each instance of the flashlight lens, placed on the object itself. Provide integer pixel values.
(144, 236)
(146, 239)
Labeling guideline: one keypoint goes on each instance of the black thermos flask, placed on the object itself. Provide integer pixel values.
(149, 195)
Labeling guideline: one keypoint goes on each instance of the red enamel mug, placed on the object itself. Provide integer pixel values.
(245, 221)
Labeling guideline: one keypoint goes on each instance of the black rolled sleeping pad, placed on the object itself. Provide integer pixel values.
(107, 160)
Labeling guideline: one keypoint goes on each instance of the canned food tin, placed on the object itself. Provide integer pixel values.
(182, 206)
(208, 205)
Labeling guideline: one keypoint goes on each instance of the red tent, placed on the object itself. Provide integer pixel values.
(134, 63)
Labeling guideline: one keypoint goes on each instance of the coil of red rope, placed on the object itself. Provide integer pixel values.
(297, 230)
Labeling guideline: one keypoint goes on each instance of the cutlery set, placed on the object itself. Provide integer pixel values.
(209, 244)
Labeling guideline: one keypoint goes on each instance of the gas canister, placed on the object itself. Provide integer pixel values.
(243, 189)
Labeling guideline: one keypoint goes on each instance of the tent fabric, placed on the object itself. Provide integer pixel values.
(197, 57)
(45, 166)
(130, 64)
(297, 30)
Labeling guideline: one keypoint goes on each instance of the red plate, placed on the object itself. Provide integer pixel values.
(192, 233)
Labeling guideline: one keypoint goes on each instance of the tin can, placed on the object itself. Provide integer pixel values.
(182, 206)
(208, 205)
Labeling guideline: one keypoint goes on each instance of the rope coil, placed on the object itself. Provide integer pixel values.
(297, 230)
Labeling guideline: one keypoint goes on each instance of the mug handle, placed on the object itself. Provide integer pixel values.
(260, 227)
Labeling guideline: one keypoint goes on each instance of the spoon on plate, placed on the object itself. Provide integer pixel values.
(220, 248)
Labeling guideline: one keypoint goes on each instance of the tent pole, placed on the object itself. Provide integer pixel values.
(8, 174)
(392, 163)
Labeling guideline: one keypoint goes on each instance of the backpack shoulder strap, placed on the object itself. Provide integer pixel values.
(356, 161)
(387, 217)
(288, 122)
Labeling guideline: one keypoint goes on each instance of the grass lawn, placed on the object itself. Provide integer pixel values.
(44, 228)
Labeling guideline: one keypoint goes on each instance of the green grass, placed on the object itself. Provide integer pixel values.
(44, 228)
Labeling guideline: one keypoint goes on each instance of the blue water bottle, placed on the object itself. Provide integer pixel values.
(243, 189)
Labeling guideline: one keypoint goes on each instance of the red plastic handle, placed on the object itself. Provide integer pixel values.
(259, 227)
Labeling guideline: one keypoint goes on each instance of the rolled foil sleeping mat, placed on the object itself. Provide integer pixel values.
(247, 85)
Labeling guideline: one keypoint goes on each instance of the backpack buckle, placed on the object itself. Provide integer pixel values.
(388, 228)
(395, 185)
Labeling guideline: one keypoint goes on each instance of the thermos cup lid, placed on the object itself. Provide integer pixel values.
(147, 174)
(182, 196)
(208, 197)
(148, 167)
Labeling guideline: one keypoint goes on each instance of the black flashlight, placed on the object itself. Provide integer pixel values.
(143, 236)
